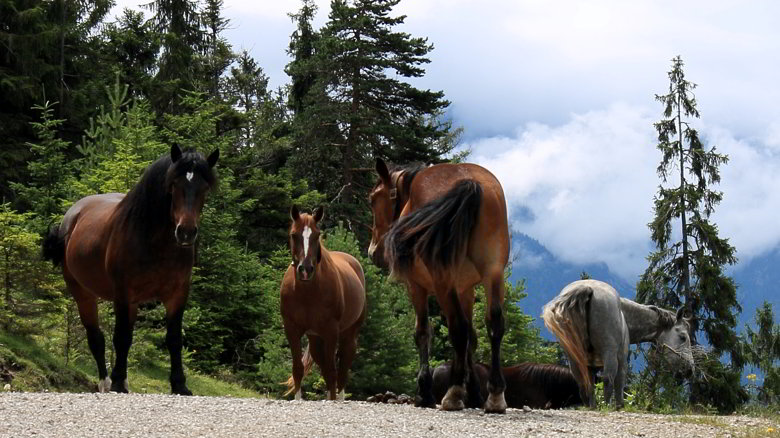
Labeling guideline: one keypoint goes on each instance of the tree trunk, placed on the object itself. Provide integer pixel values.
(690, 302)
(62, 59)
(7, 286)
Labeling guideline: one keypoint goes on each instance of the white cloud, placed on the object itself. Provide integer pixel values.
(582, 163)
(751, 200)
(590, 184)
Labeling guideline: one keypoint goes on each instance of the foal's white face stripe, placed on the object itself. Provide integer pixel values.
(306, 235)
(190, 175)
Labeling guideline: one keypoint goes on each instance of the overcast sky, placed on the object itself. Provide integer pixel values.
(556, 98)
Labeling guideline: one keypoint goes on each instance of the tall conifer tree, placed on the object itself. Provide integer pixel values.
(687, 267)
(360, 105)
(179, 23)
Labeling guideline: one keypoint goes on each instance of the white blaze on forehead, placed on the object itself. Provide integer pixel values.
(190, 175)
(306, 235)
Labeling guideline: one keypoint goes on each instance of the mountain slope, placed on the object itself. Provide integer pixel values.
(545, 275)
(758, 279)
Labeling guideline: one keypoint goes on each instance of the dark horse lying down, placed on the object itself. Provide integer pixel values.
(536, 385)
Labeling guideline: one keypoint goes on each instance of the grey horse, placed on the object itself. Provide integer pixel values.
(595, 326)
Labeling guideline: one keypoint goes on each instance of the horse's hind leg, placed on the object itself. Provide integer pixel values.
(620, 384)
(473, 388)
(346, 354)
(422, 339)
(88, 313)
(610, 377)
(329, 363)
(173, 340)
(123, 338)
(494, 315)
(459, 330)
(474, 393)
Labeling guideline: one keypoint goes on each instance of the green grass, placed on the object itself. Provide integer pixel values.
(751, 432)
(32, 368)
(702, 420)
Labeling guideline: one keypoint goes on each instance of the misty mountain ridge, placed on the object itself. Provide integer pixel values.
(545, 275)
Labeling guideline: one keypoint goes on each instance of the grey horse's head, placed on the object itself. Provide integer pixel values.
(674, 341)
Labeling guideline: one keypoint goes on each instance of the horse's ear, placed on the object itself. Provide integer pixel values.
(381, 170)
(175, 152)
(681, 314)
(213, 157)
(294, 213)
(319, 213)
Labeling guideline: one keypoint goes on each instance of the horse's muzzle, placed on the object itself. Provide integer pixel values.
(186, 236)
(305, 273)
(376, 254)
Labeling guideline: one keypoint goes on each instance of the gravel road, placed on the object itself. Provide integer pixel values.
(145, 415)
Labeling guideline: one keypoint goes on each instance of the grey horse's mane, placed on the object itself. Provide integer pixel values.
(666, 318)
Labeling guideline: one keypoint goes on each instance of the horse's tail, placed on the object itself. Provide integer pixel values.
(308, 361)
(437, 233)
(567, 318)
(53, 247)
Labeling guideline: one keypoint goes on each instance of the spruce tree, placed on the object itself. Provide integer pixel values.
(217, 52)
(49, 169)
(762, 350)
(246, 88)
(131, 46)
(179, 25)
(47, 54)
(689, 270)
(359, 104)
(301, 69)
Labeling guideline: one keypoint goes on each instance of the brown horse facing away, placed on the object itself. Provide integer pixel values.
(444, 230)
(323, 296)
(135, 248)
(536, 385)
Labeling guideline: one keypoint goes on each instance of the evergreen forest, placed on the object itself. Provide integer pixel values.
(88, 100)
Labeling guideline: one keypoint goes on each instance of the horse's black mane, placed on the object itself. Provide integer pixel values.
(147, 206)
(410, 171)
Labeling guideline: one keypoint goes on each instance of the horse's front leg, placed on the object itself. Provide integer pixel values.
(494, 315)
(294, 341)
(422, 339)
(174, 312)
(123, 337)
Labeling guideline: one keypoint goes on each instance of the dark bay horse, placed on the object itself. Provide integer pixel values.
(323, 296)
(135, 248)
(443, 230)
(536, 385)
(595, 326)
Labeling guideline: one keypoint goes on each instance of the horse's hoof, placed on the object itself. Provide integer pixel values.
(453, 400)
(495, 404)
(104, 385)
(420, 402)
(120, 386)
(299, 394)
(181, 390)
